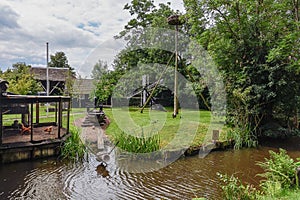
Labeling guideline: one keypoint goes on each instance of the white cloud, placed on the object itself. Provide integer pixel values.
(75, 27)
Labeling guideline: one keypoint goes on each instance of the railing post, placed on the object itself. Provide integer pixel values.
(68, 115)
(1, 120)
(37, 114)
(59, 116)
(31, 123)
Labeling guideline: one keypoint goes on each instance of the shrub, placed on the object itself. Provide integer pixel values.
(233, 189)
(279, 172)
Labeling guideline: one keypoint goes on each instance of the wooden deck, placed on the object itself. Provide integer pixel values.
(17, 146)
(11, 136)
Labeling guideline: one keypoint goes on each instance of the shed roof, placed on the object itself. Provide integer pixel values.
(55, 74)
(83, 86)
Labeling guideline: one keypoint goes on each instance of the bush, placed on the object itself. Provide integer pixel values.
(279, 172)
(235, 190)
(280, 177)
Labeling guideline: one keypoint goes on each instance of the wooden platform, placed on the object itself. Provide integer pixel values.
(18, 147)
(15, 136)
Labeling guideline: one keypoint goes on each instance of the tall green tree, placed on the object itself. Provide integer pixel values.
(20, 80)
(60, 60)
(145, 14)
(99, 70)
(254, 44)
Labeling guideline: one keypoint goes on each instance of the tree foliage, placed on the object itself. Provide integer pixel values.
(254, 43)
(20, 80)
(147, 15)
(105, 81)
(60, 60)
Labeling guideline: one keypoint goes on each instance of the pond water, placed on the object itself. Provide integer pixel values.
(186, 178)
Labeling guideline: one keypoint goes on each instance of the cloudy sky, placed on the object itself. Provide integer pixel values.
(75, 27)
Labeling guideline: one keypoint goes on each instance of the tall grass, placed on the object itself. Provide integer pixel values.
(138, 144)
(242, 137)
(73, 148)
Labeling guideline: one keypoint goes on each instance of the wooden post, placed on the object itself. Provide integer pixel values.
(215, 136)
(37, 114)
(31, 123)
(56, 112)
(175, 112)
(59, 117)
(1, 121)
(174, 20)
(68, 115)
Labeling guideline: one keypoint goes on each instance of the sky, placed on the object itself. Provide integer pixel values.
(75, 27)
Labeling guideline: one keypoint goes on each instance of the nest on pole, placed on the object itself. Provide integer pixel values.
(174, 20)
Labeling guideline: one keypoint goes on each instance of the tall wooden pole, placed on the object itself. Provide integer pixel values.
(47, 77)
(174, 20)
(175, 112)
(47, 71)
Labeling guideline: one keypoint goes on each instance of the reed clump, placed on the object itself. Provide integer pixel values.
(138, 143)
(73, 148)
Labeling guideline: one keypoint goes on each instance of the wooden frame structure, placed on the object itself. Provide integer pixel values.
(8, 103)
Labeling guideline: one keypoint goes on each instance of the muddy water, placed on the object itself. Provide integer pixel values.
(186, 178)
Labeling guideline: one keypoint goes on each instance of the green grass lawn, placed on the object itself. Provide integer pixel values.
(75, 113)
(189, 128)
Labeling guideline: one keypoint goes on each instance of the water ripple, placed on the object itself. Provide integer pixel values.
(186, 178)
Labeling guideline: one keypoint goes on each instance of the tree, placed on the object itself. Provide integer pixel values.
(255, 46)
(147, 15)
(99, 70)
(60, 60)
(20, 80)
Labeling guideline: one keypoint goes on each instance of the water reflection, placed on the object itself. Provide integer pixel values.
(102, 171)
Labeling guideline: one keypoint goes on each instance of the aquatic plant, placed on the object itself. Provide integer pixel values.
(73, 148)
(242, 137)
(142, 143)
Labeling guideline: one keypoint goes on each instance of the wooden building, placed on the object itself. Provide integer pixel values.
(82, 91)
(58, 78)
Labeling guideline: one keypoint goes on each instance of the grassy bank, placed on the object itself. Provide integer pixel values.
(188, 128)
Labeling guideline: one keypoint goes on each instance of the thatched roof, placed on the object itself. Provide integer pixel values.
(55, 74)
(83, 86)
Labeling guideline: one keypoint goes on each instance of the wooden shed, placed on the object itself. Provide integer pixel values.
(57, 78)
